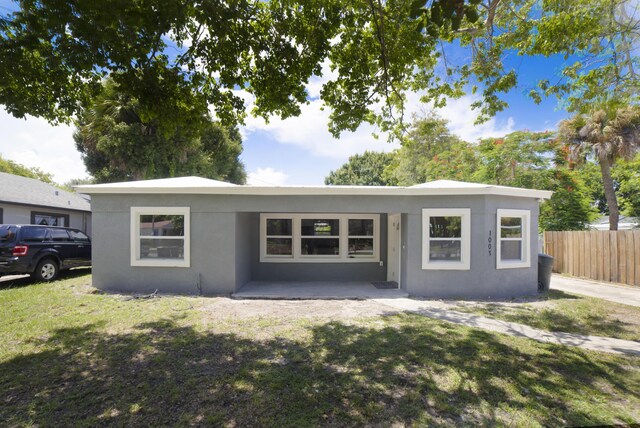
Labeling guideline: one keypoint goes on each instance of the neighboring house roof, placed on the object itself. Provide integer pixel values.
(29, 191)
(197, 185)
(624, 223)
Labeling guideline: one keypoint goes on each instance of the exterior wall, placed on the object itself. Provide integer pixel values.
(483, 280)
(225, 236)
(245, 228)
(21, 214)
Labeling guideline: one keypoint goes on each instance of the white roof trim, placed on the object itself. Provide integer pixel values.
(197, 185)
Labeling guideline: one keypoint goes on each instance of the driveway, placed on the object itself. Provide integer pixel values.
(626, 295)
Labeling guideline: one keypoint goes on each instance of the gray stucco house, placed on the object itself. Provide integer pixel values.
(194, 235)
(26, 200)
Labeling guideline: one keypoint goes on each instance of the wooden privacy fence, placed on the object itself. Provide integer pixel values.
(612, 256)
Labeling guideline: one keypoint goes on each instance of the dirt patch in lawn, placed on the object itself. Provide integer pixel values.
(223, 308)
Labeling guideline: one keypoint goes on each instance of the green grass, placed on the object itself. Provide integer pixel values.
(70, 356)
(568, 313)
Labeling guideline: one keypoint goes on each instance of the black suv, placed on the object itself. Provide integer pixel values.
(42, 251)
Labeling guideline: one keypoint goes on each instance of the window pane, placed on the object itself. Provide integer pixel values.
(445, 227)
(33, 234)
(360, 227)
(320, 227)
(361, 247)
(279, 246)
(161, 225)
(511, 250)
(78, 236)
(445, 251)
(7, 233)
(151, 248)
(323, 247)
(59, 235)
(511, 227)
(279, 226)
(48, 220)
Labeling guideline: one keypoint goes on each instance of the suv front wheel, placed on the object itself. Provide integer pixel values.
(47, 270)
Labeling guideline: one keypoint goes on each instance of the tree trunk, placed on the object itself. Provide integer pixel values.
(610, 194)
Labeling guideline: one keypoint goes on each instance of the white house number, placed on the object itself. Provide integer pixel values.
(489, 242)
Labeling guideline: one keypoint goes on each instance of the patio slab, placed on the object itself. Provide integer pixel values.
(315, 290)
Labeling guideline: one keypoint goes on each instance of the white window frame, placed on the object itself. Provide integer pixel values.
(136, 213)
(465, 239)
(525, 260)
(343, 236)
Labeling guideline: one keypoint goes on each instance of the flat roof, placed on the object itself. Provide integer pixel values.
(204, 186)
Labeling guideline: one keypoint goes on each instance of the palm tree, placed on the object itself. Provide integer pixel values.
(607, 136)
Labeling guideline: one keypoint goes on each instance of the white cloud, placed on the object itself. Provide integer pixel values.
(309, 130)
(461, 117)
(35, 143)
(461, 120)
(267, 177)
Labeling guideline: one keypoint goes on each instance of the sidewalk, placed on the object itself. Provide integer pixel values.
(626, 295)
(442, 311)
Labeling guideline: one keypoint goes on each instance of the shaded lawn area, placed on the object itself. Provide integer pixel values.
(70, 356)
(567, 313)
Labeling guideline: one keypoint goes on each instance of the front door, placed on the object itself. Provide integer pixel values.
(393, 248)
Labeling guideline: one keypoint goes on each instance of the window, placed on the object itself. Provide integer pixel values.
(33, 234)
(49, 219)
(279, 237)
(160, 236)
(58, 235)
(446, 239)
(319, 238)
(361, 238)
(78, 236)
(1, 215)
(513, 239)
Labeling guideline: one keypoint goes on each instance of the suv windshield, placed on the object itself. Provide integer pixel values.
(7, 233)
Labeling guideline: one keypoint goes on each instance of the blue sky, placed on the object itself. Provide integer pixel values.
(297, 150)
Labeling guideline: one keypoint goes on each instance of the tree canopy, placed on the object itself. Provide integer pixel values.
(118, 144)
(535, 160)
(11, 167)
(56, 54)
(607, 136)
(367, 169)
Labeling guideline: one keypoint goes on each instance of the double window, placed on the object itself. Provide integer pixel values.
(445, 238)
(160, 236)
(513, 239)
(319, 237)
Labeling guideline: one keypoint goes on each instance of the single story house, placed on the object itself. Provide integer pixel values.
(26, 200)
(624, 223)
(194, 235)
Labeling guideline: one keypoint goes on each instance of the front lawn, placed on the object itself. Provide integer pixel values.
(71, 356)
(569, 313)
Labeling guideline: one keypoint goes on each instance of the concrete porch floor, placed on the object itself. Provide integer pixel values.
(315, 290)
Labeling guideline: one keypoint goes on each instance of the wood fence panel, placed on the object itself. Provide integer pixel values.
(622, 257)
(589, 255)
(611, 256)
(576, 253)
(636, 250)
(606, 257)
(599, 261)
(631, 269)
(613, 242)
